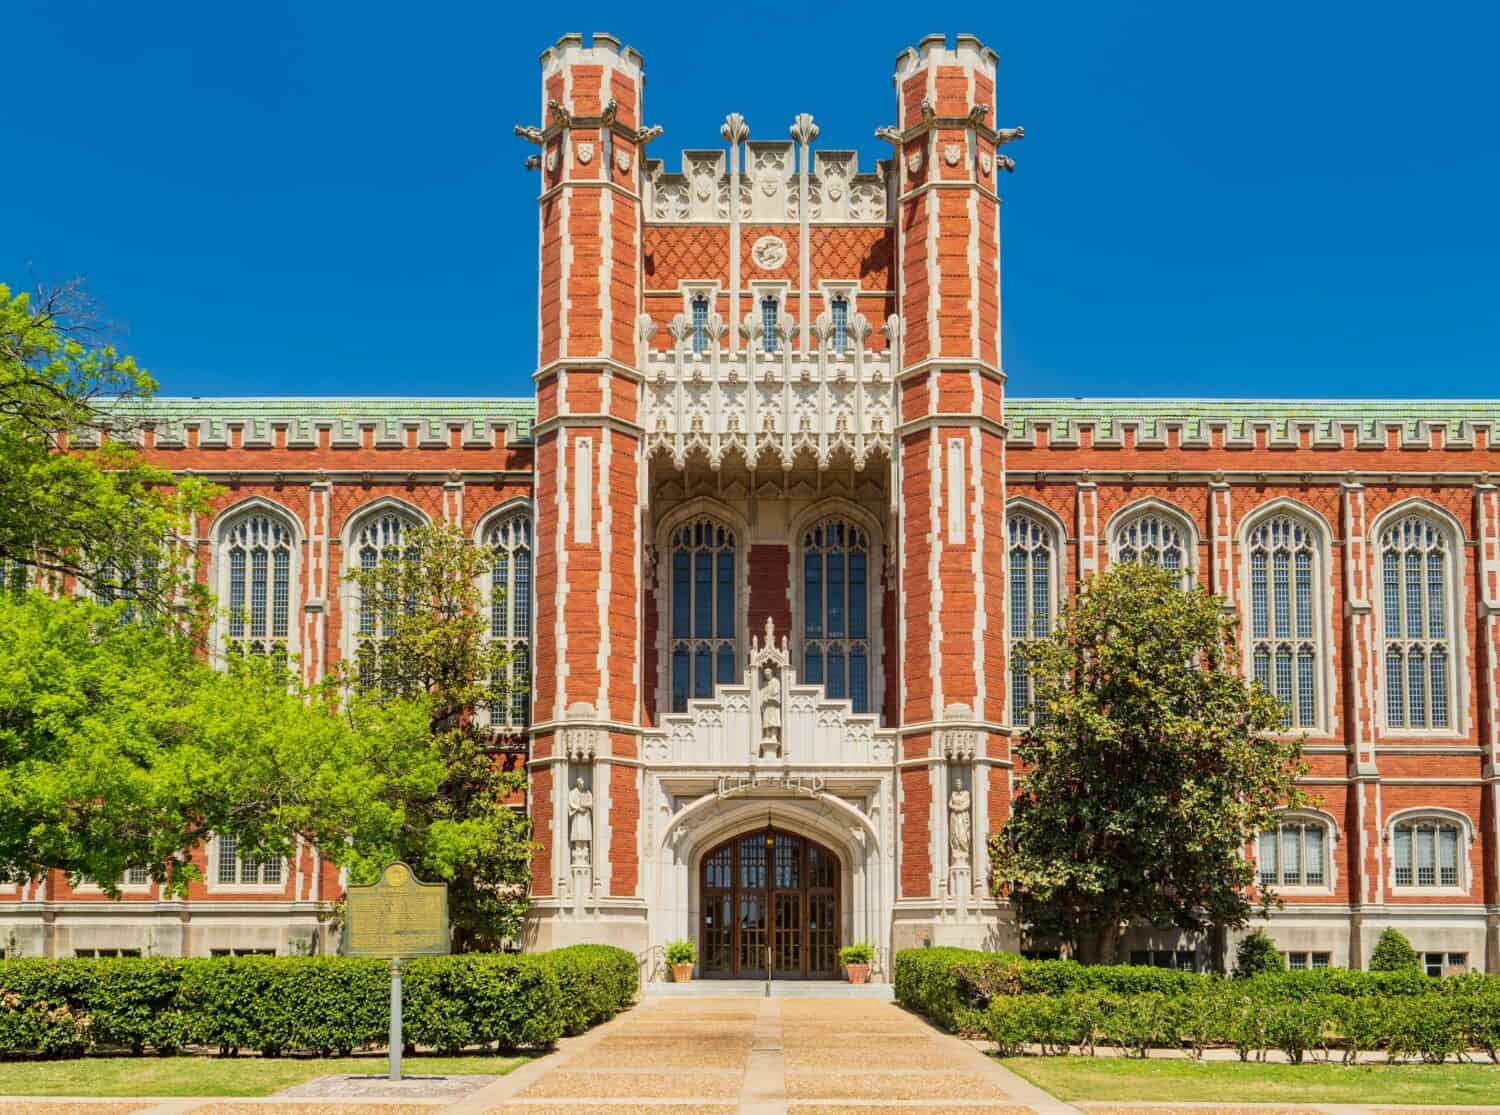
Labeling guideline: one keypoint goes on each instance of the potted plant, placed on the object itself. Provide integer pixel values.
(856, 961)
(681, 956)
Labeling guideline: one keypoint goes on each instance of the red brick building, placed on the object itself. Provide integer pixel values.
(767, 530)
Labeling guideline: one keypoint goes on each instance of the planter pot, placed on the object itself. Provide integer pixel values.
(857, 973)
(682, 973)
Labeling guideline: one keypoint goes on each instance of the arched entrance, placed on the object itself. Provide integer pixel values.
(769, 897)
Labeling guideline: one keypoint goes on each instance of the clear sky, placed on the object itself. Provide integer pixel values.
(1284, 199)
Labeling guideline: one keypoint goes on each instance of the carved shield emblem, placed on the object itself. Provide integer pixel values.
(914, 161)
(952, 153)
(585, 153)
(622, 160)
(552, 160)
(984, 163)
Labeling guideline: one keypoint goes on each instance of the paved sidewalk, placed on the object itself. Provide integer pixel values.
(728, 1056)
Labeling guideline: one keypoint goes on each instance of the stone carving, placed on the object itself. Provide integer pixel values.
(914, 161)
(552, 160)
(622, 160)
(984, 163)
(581, 823)
(804, 131)
(952, 152)
(769, 253)
(585, 153)
(770, 710)
(959, 832)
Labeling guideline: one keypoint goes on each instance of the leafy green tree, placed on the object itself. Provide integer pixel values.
(1257, 953)
(1394, 953)
(429, 683)
(1150, 768)
(76, 500)
(121, 747)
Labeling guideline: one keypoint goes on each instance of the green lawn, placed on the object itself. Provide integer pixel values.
(217, 1076)
(1115, 1078)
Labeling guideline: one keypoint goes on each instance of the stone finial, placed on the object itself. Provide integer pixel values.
(804, 131)
(734, 129)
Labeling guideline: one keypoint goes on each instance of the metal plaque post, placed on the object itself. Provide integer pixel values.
(396, 1018)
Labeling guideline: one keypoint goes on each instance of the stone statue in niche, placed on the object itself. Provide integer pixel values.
(770, 711)
(959, 832)
(581, 822)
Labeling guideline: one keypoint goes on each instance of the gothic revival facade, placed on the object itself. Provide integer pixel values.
(766, 533)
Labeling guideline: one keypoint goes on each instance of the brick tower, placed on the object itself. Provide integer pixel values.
(950, 494)
(585, 789)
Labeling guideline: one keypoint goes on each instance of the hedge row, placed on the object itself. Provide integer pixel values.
(1230, 1014)
(322, 1005)
(1058, 1004)
(942, 982)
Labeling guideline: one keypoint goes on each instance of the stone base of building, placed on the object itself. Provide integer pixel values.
(64, 929)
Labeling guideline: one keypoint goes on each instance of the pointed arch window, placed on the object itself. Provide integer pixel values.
(1286, 650)
(1154, 539)
(836, 610)
(384, 536)
(704, 606)
(15, 576)
(256, 557)
(509, 541)
(1033, 569)
(1416, 569)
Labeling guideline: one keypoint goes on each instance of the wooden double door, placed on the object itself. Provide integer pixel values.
(769, 898)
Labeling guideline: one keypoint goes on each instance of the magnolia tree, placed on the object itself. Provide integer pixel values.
(432, 685)
(1149, 768)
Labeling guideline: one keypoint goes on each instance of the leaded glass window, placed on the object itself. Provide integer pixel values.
(840, 307)
(1294, 854)
(836, 610)
(14, 577)
(1285, 648)
(257, 552)
(510, 613)
(238, 868)
(1033, 562)
(1154, 539)
(384, 536)
(1415, 569)
(770, 313)
(1426, 853)
(700, 324)
(704, 603)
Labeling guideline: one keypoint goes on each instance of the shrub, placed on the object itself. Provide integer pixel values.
(861, 952)
(1428, 1026)
(321, 1005)
(1295, 1027)
(942, 982)
(596, 983)
(682, 952)
(1257, 954)
(1393, 953)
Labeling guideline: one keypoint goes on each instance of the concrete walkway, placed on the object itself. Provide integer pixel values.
(726, 1056)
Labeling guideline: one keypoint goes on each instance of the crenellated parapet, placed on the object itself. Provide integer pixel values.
(839, 192)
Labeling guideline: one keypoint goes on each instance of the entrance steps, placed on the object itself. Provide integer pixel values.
(780, 989)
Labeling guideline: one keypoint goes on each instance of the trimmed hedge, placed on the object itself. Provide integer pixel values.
(1059, 1004)
(320, 1005)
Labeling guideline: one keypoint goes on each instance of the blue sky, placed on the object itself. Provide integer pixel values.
(300, 198)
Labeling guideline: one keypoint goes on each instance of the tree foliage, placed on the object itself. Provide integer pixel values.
(1152, 765)
(1257, 953)
(428, 684)
(1394, 953)
(76, 500)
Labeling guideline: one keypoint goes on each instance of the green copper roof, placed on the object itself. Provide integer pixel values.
(1329, 415)
(343, 411)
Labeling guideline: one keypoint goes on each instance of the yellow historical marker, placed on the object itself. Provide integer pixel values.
(395, 918)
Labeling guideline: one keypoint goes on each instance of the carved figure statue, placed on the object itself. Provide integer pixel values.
(959, 832)
(770, 708)
(581, 821)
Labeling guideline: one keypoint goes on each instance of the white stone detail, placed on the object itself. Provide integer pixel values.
(769, 253)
